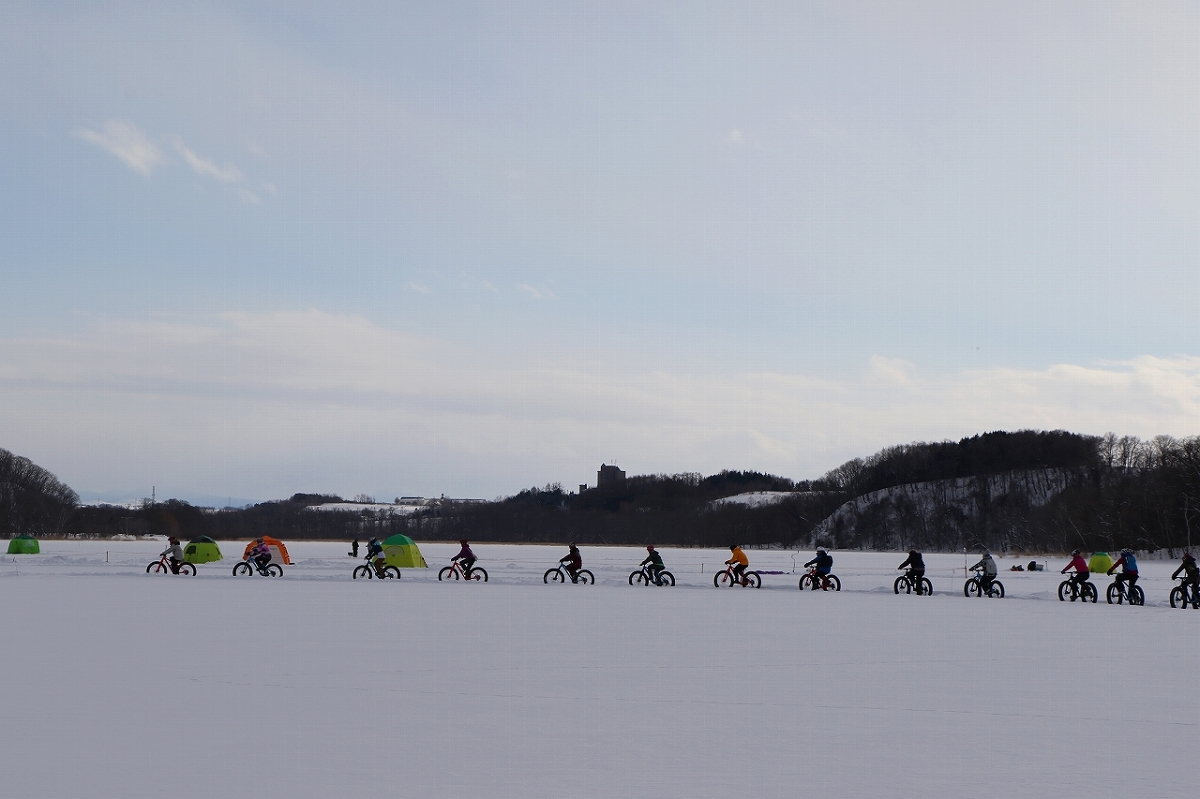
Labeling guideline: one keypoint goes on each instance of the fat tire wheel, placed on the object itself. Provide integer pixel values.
(1177, 596)
(391, 572)
(902, 583)
(1114, 595)
(666, 578)
(274, 570)
(753, 580)
(635, 578)
(997, 590)
(447, 573)
(1064, 591)
(242, 569)
(972, 587)
(1137, 596)
(361, 571)
(722, 580)
(586, 577)
(1088, 592)
(926, 587)
(836, 582)
(478, 573)
(187, 568)
(157, 568)
(552, 576)
(807, 582)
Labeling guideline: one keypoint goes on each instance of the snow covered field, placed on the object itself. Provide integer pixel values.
(123, 684)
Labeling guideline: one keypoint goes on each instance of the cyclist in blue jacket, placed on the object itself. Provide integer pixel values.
(824, 563)
(1130, 570)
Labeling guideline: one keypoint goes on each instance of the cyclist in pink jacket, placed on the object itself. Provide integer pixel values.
(1080, 567)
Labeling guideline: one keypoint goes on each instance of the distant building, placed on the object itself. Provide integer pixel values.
(609, 475)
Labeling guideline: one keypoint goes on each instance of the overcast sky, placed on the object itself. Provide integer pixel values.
(249, 249)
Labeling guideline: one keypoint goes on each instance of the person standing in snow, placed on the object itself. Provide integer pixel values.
(1129, 569)
(740, 563)
(916, 569)
(573, 561)
(656, 564)
(466, 557)
(353, 548)
(987, 565)
(824, 563)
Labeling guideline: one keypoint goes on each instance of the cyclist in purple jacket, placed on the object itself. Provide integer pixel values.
(465, 557)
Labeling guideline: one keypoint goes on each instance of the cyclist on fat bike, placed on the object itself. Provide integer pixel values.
(656, 564)
(740, 563)
(465, 557)
(1079, 565)
(1192, 574)
(988, 566)
(916, 569)
(375, 556)
(1129, 573)
(824, 563)
(574, 562)
(175, 552)
(261, 554)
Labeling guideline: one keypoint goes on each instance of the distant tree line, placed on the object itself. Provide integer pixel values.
(32, 500)
(1108, 492)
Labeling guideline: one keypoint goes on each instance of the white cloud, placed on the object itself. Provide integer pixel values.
(537, 293)
(229, 395)
(419, 288)
(206, 167)
(126, 142)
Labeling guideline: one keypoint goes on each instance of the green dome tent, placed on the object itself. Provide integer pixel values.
(201, 550)
(1100, 563)
(402, 552)
(23, 545)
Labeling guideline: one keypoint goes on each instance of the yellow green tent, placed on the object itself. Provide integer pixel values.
(201, 550)
(1100, 563)
(402, 552)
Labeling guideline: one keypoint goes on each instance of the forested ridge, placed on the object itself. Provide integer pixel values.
(1025, 491)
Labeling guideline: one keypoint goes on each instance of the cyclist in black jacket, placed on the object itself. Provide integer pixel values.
(916, 568)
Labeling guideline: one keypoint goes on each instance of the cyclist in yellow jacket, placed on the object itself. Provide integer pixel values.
(740, 562)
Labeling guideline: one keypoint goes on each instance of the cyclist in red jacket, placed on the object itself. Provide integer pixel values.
(1080, 567)
(574, 562)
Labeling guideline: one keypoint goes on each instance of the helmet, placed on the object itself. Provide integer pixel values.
(650, 547)
(733, 546)
(1188, 556)
(572, 545)
(1126, 552)
(1075, 552)
(912, 551)
(172, 540)
(820, 551)
(462, 540)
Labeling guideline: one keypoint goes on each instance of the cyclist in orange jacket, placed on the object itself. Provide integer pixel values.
(739, 561)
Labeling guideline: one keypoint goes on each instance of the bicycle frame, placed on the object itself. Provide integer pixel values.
(816, 575)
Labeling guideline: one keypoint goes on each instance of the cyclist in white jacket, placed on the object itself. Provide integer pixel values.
(988, 565)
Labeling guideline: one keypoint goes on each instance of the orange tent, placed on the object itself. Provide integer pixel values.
(278, 550)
